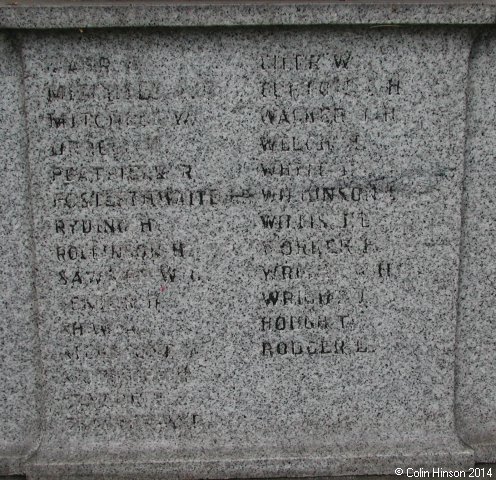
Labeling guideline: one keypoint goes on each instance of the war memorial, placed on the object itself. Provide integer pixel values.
(246, 240)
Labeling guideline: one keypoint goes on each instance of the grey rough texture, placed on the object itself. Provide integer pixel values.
(180, 376)
(476, 373)
(18, 347)
(149, 14)
(485, 470)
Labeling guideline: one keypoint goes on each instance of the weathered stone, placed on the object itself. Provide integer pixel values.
(49, 14)
(476, 374)
(242, 251)
(18, 346)
(247, 247)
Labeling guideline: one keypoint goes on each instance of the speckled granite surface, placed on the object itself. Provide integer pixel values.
(18, 347)
(247, 246)
(485, 471)
(157, 14)
(247, 240)
(476, 375)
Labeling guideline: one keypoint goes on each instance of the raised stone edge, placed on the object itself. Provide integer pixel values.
(452, 455)
(50, 15)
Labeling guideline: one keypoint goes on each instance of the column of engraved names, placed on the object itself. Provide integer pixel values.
(113, 193)
(317, 219)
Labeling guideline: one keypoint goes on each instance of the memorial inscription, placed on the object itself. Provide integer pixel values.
(247, 246)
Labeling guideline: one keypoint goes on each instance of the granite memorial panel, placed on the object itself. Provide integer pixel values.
(247, 248)
(18, 345)
(476, 372)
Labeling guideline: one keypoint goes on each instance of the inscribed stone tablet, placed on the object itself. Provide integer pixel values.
(247, 247)
(476, 379)
(18, 417)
